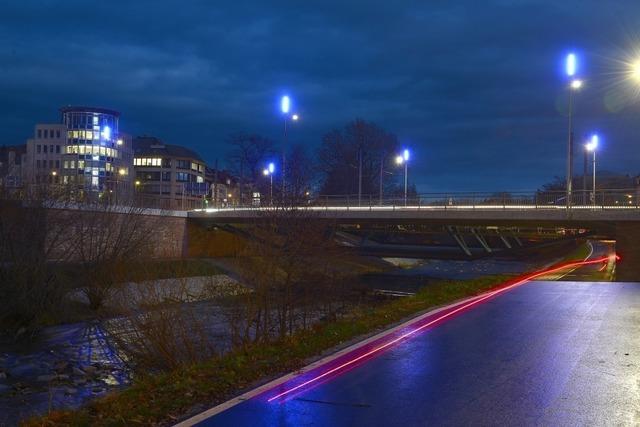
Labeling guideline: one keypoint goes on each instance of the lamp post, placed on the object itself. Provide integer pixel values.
(592, 146)
(285, 107)
(403, 159)
(574, 85)
(268, 171)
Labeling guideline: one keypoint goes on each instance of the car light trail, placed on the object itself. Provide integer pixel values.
(431, 322)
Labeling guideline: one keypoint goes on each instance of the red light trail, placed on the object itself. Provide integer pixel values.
(414, 331)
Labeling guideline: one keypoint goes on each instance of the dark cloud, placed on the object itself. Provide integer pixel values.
(475, 88)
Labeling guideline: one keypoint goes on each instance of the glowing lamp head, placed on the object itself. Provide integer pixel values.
(120, 142)
(137, 182)
(54, 173)
(576, 84)
(295, 117)
(399, 160)
(572, 64)
(635, 70)
(285, 104)
(405, 155)
(592, 145)
(106, 132)
(271, 168)
(122, 172)
(265, 172)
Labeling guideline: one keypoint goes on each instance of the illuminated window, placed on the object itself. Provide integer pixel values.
(80, 164)
(102, 151)
(199, 179)
(65, 164)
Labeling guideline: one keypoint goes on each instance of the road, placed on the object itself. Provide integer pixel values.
(544, 353)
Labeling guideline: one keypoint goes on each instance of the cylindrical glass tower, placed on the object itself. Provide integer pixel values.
(96, 156)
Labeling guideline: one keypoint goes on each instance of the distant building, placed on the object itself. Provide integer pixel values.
(224, 188)
(44, 154)
(85, 151)
(169, 176)
(11, 170)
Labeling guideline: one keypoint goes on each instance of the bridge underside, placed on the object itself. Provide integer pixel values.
(621, 226)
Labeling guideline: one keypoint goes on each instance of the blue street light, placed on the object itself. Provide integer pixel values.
(285, 104)
(571, 64)
(404, 160)
(268, 171)
(571, 68)
(592, 146)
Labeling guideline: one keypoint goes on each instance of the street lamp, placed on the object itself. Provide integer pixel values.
(574, 85)
(285, 107)
(403, 159)
(268, 171)
(592, 145)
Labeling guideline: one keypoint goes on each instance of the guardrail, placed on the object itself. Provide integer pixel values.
(605, 199)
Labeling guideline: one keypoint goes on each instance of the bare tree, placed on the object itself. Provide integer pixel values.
(34, 238)
(356, 156)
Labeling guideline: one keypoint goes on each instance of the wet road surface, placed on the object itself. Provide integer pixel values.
(544, 353)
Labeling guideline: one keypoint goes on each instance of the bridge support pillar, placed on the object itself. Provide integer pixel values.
(459, 239)
(504, 239)
(481, 240)
(628, 248)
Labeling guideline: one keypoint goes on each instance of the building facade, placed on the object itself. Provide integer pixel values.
(12, 158)
(44, 154)
(97, 158)
(85, 152)
(169, 176)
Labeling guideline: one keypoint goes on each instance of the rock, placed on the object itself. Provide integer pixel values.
(45, 378)
(62, 377)
(90, 370)
(79, 381)
(3, 375)
(70, 390)
(79, 372)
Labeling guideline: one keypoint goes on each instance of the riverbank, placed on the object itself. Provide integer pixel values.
(166, 398)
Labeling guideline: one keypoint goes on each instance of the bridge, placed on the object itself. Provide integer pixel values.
(613, 214)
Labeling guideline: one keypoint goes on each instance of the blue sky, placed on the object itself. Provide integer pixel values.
(475, 88)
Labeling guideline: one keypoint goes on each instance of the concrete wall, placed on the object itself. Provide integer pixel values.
(627, 237)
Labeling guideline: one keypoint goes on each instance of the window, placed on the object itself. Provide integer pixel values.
(51, 148)
(166, 176)
(182, 176)
(38, 164)
(46, 133)
(199, 179)
(58, 134)
(57, 164)
(44, 147)
(66, 164)
(51, 164)
(38, 148)
(39, 133)
(58, 147)
(183, 164)
(80, 164)
(194, 166)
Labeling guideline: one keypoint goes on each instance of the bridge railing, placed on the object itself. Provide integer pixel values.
(602, 199)
(605, 199)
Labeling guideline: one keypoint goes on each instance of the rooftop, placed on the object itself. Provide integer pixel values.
(152, 146)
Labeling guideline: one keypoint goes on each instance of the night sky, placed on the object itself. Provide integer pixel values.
(474, 88)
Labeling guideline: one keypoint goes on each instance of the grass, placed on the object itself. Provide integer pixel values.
(166, 397)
